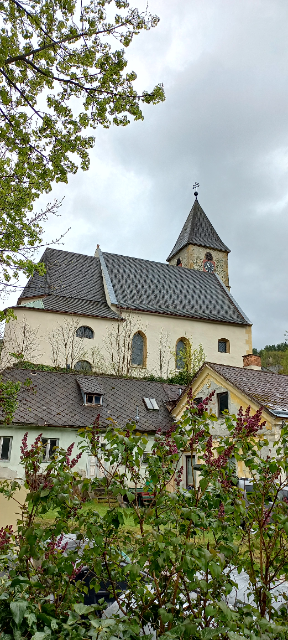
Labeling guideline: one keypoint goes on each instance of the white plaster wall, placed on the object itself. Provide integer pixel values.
(13, 468)
(153, 325)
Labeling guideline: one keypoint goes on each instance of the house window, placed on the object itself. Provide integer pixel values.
(83, 365)
(189, 476)
(222, 402)
(93, 398)
(138, 350)
(5, 447)
(181, 348)
(232, 464)
(49, 445)
(145, 457)
(223, 345)
(197, 400)
(85, 332)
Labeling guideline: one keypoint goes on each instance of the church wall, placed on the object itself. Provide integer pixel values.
(165, 329)
(192, 257)
(162, 333)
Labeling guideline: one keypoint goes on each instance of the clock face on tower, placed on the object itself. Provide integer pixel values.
(209, 266)
(208, 263)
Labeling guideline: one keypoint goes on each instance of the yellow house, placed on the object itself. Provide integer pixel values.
(237, 387)
(124, 315)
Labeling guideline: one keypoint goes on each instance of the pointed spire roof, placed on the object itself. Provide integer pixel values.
(198, 230)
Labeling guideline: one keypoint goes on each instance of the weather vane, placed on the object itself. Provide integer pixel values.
(196, 186)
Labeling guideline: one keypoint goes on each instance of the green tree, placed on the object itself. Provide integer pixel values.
(62, 74)
(180, 557)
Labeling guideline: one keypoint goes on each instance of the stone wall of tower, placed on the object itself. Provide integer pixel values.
(192, 257)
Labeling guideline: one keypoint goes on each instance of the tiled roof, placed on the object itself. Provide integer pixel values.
(72, 284)
(160, 288)
(267, 389)
(198, 230)
(55, 399)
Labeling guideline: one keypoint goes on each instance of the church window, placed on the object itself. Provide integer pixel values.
(85, 332)
(138, 350)
(83, 365)
(223, 345)
(181, 348)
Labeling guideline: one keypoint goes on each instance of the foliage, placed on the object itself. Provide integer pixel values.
(62, 73)
(182, 567)
(8, 399)
(275, 356)
(191, 359)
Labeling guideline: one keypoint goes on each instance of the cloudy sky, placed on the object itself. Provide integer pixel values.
(224, 65)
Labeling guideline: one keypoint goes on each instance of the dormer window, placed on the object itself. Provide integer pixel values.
(93, 399)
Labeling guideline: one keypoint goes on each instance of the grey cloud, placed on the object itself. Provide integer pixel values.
(224, 123)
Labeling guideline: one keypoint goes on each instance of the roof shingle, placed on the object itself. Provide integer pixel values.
(198, 230)
(55, 399)
(160, 288)
(74, 284)
(267, 389)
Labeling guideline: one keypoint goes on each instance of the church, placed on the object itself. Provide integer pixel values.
(123, 315)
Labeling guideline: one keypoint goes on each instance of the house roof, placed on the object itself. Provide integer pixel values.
(160, 288)
(269, 390)
(54, 399)
(74, 283)
(198, 230)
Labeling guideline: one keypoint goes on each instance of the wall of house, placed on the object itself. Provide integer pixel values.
(12, 469)
(209, 381)
(192, 257)
(162, 333)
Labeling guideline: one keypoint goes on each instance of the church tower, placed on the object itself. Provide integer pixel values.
(199, 246)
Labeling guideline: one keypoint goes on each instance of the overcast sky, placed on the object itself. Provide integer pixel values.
(224, 65)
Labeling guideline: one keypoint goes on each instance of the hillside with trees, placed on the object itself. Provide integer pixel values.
(275, 356)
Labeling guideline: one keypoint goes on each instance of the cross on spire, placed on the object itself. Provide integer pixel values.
(196, 186)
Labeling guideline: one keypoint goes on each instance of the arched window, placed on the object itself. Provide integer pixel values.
(85, 332)
(138, 350)
(181, 347)
(223, 345)
(83, 365)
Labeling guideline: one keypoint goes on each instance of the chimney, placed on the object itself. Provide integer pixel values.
(251, 361)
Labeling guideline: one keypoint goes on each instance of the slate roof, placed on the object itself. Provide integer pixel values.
(72, 284)
(198, 230)
(160, 288)
(55, 399)
(269, 390)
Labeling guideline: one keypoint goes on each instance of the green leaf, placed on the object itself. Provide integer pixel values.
(18, 609)
(82, 609)
(165, 616)
(204, 483)
(215, 570)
